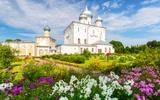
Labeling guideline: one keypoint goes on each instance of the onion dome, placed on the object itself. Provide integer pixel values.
(47, 28)
(82, 16)
(99, 19)
(87, 12)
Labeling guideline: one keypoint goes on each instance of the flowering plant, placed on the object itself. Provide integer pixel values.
(90, 88)
(147, 82)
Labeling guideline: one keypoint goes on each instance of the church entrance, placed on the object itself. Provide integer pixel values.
(99, 50)
(30, 54)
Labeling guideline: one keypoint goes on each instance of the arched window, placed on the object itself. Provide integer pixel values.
(105, 49)
(78, 29)
(85, 41)
(79, 41)
(92, 49)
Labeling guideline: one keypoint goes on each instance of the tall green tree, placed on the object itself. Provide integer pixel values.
(17, 40)
(153, 44)
(7, 55)
(8, 40)
(118, 46)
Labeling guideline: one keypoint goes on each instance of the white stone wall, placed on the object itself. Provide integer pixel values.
(105, 49)
(68, 35)
(42, 51)
(64, 49)
(84, 32)
(25, 49)
(72, 49)
(95, 34)
(80, 32)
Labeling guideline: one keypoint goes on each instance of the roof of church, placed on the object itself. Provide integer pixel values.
(100, 42)
(45, 37)
(84, 24)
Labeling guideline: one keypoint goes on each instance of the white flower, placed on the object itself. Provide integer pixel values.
(63, 98)
(3, 86)
(96, 97)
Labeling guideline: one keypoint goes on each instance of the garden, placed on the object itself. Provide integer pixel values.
(126, 75)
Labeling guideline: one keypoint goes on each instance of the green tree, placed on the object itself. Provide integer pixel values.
(153, 44)
(17, 40)
(7, 55)
(8, 40)
(118, 46)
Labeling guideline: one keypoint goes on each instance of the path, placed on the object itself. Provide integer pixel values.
(68, 67)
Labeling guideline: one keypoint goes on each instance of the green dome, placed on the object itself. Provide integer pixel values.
(47, 28)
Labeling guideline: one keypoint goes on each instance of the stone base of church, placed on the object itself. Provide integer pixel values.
(77, 49)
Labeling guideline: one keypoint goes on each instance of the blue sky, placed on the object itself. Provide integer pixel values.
(130, 21)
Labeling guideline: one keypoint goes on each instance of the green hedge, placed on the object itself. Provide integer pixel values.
(73, 58)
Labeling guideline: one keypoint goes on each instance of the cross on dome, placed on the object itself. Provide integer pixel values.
(87, 12)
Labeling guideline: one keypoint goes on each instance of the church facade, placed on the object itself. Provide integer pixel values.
(84, 34)
(43, 45)
(78, 36)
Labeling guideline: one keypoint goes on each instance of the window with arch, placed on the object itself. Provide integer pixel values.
(79, 41)
(78, 29)
(92, 49)
(85, 41)
(105, 49)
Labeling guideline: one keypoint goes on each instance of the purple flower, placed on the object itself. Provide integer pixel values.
(142, 83)
(48, 80)
(157, 81)
(151, 85)
(33, 86)
(16, 90)
(9, 68)
(136, 69)
(36, 98)
(137, 96)
(156, 94)
(23, 79)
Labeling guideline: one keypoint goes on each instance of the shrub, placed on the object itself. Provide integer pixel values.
(73, 58)
(7, 55)
(86, 53)
(33, 71)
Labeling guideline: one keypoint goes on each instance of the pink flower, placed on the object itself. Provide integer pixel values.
(36, 98)
(142, 83)
(157, 81)
(137, 96)
(151, 85)
(156, 94)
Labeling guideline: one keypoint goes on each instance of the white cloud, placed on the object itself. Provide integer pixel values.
(112, 4)
(146, 2)
(106, 4)
(27, 14)
(115, 5)
(142, 18)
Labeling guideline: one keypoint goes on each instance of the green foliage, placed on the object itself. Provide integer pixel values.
(10, 40)
(7, 55)
(153, 44)
(86, 53)
(118, 46)
(73, 58)
(34, 71)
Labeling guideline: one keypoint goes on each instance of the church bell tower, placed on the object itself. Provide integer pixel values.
(47, 31)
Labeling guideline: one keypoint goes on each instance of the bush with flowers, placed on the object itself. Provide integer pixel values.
(146, 82)
(105, 87)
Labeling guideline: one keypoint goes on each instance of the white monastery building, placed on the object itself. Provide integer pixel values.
(78, 36)
(82, 34)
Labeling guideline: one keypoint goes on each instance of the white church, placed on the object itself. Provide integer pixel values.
(78, 36)
(84, 34)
